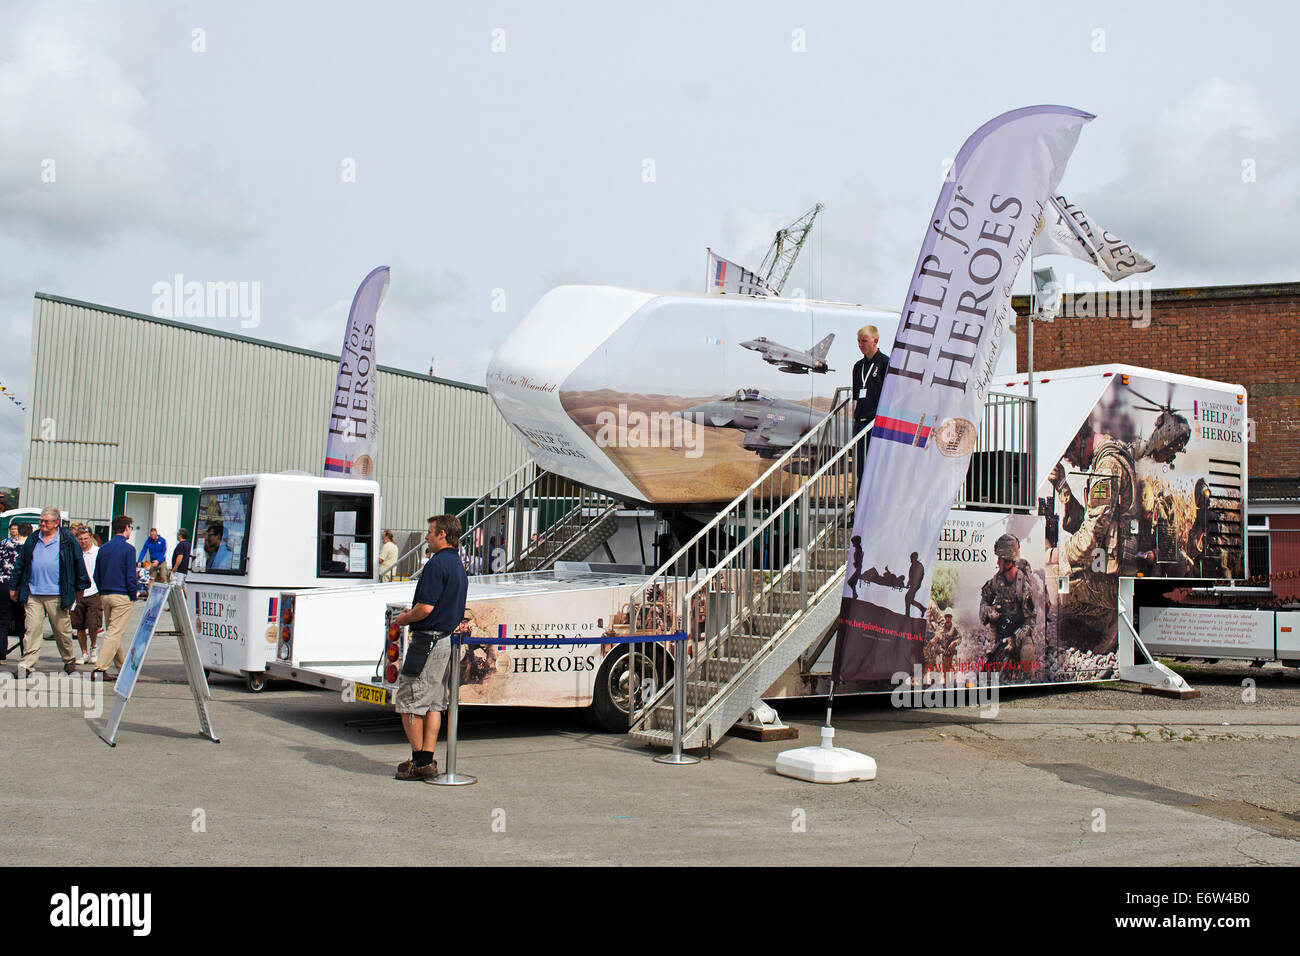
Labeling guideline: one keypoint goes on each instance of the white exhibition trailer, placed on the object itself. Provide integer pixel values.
(336, 638)
(259, 535)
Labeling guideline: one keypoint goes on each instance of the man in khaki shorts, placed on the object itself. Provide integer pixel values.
(424, 685)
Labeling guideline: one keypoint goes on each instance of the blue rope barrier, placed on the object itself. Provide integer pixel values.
(525, 641)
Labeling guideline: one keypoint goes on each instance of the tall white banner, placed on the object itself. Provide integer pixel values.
(955, 320)
(1067, 231)
(352, 446)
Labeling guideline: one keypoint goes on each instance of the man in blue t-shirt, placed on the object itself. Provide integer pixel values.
(424, 686)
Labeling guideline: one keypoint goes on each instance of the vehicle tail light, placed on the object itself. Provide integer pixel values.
(284, 648)
(394, 639)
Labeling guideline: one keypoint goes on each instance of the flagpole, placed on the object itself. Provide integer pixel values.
(1033, 304)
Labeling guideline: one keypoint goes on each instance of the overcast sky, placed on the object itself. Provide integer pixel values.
(490, 151)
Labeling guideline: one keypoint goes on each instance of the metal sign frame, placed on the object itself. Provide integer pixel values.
(185, 637)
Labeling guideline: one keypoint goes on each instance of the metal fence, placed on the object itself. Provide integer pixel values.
(1002, 466)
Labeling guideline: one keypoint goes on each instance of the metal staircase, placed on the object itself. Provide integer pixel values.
(575, 536)
(530, 520)
(754, 588)
(760, 585)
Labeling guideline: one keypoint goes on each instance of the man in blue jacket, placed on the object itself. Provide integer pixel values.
(153, 556)
(116, 580)
(50, 576)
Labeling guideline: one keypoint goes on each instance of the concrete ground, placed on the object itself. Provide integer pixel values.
(1099, 775)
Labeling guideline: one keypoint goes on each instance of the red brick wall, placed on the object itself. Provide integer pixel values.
(1249, 335)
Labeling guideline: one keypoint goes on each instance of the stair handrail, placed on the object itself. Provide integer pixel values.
(703, 649)
(813, 434)
(468, 509)
(566, 489)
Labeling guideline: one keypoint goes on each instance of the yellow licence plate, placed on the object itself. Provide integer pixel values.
(369, 695)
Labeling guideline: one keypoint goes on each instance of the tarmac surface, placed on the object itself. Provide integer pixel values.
(1093, 775)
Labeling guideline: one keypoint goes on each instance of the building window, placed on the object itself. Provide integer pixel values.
(1257, 541)
(1257, 545)
(345, 535)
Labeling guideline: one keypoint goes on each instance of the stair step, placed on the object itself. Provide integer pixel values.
(765, 625)
(739, 646)
(655, 738)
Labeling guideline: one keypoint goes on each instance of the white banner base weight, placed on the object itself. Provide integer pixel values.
(827, 763)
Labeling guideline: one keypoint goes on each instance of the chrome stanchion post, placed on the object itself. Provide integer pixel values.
(451, 778)
(679, 706)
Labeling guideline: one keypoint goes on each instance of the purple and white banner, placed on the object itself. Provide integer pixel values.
(955, 319)
(1067, 231)
(353, 443)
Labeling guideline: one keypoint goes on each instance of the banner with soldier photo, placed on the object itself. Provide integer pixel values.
(941, 367)
(1147, 479)
(1151, 484)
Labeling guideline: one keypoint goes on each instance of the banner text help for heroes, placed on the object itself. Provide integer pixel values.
(984, 249)
(352, 395)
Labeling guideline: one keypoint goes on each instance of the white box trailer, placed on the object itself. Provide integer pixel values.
(260, 534)
(1183, 440)
(1180, 516)
(337, 639)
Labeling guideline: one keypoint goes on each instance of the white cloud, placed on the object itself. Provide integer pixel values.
(848, 252)
(322, 329)
(70, 111)
(1184, 201)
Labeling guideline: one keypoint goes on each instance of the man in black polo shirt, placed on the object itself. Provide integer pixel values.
(868, 377)
(424, 686)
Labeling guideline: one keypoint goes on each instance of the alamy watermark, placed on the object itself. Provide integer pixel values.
(910, 690)
(1081, 299)
(76, 691)
(179, 299)
(76, 908)
(626, 429)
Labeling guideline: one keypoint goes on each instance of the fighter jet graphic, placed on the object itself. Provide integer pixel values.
(792, 360)
(771, 425)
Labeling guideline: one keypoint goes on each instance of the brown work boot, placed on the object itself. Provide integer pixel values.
(425, 773)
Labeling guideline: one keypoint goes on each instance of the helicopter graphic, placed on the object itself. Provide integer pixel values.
(1171, 431)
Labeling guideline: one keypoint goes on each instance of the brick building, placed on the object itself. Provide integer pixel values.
(1245, 334)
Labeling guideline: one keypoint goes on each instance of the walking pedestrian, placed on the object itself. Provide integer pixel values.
(50, 576)
(88, 614)
(115, 576)
(11, 612)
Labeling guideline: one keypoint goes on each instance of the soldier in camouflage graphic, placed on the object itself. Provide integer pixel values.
(945, 642)
(1102, 544)
(1007, 607)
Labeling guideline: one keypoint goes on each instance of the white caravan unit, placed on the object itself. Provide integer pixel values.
(338, 639)
(673, 398)
(258, 535)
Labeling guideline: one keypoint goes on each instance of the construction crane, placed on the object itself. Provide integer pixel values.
(785, 250)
